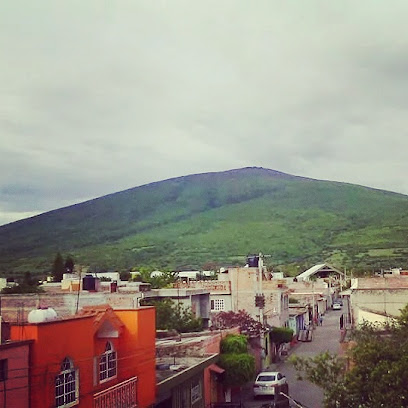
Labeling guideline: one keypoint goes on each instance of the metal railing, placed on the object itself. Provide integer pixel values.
(122, 395)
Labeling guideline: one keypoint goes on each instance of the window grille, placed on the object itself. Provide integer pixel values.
(217, 304)
(66, 385)
(107, 363)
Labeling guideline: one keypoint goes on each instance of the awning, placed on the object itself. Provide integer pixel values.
(216, 369)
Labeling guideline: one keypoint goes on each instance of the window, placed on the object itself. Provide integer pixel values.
(217, 304)
(67, 385)
(3, 370)
(196, 392)
(107, 363)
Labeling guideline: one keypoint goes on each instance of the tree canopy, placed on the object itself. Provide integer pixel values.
(69, 264)
(26, 285)
(241, 319)
(373, 374)
(280, 335)
(165, 279)
(172, 316)
(58, 268)
(238, 364)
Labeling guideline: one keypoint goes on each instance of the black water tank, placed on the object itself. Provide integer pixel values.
(253, 261)
(89, 282)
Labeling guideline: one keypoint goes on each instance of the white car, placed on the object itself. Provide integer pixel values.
(336, 306)
(267, 381)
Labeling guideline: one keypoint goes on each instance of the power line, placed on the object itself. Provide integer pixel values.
(293, 400)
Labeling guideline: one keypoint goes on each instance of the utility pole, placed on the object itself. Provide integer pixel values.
(261, 304)
(260, 272)
(313, 307)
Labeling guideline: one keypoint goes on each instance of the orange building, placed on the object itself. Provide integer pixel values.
(99, 358)
(14, 378)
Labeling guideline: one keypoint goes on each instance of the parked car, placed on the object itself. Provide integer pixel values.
(336, 306)
(267, 381)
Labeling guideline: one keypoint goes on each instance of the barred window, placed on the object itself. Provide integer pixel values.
(107, 363)
(67, 385)
(217, 305)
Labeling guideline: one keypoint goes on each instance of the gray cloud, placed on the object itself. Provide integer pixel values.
(99, 97)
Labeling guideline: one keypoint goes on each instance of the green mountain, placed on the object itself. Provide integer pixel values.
(189, 221)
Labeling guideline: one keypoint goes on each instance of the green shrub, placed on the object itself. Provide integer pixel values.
(234, 344)
(239, 368)
(280, 335)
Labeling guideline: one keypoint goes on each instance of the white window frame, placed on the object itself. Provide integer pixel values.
(108, 364)
(219, 305)
(67, 385)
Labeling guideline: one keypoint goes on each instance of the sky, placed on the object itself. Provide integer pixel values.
(101, 96)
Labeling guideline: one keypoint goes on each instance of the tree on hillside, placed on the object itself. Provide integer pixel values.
(69, 264)
(58, 268)
(374, 374)
(241, 319)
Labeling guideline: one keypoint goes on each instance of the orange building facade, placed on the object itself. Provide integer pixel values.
(99, 358)
(14, 374)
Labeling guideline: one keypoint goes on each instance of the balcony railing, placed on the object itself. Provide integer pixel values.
(121, 395)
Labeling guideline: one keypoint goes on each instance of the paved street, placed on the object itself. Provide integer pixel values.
(325, 337)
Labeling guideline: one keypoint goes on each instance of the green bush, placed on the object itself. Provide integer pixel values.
(232, 343)
(280, 335)
(239, 368)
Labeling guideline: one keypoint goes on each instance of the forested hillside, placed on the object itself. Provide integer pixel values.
(189, 221)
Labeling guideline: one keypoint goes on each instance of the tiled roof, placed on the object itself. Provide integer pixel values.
(101, 313)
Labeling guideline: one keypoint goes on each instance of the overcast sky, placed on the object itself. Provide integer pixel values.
(100, 96)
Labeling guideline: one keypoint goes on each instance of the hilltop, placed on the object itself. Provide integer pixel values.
(188, 221)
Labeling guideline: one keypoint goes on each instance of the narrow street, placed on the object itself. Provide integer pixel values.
(325, 338)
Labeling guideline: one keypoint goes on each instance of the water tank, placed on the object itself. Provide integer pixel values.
(252, 261)
(41, 315)
(89, 283)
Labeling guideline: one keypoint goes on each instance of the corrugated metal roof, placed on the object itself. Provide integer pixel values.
(316, 268)
(311, 271)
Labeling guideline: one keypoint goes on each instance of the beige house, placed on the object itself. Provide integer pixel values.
(245, 285)
(378, 299)
(316, 295)
(236, 289)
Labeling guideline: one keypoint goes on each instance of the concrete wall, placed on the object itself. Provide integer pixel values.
(386, 302)
(361, 316)
(16, 307)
